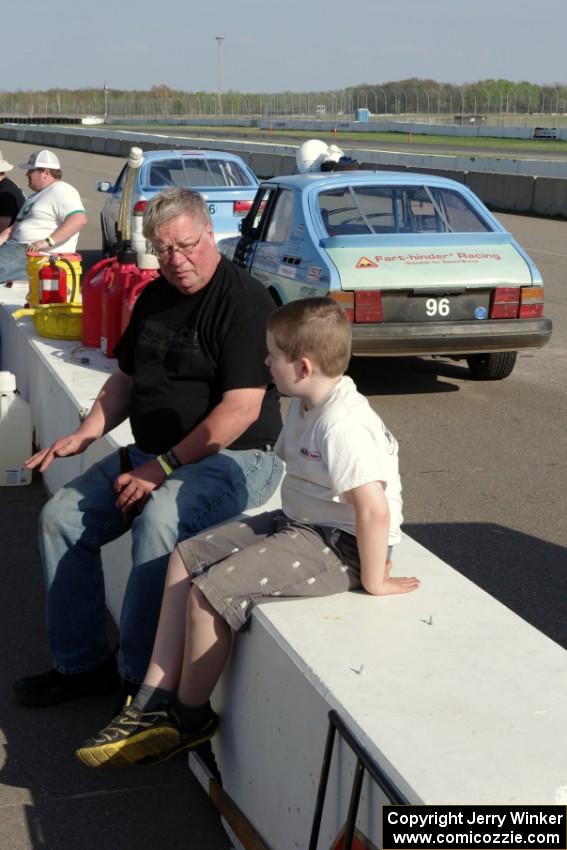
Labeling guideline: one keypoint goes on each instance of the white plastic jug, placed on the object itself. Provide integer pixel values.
(15, 434)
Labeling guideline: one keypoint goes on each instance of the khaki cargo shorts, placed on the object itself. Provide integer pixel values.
(268, 558)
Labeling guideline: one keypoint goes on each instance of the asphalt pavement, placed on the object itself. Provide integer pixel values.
(48, 801)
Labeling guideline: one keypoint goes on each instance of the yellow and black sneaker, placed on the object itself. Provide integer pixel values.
(188, 740)
(132, 736)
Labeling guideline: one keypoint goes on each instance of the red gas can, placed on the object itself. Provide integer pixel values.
(93, 286)
(136, 285)
(111, 324)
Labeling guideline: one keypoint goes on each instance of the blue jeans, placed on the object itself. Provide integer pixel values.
(82, 516)
(13, 261)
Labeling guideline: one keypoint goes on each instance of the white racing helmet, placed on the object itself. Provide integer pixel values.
(313, 153)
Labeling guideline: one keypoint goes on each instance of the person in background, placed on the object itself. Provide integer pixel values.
(48, 221)
(11, 196)
(341, 515)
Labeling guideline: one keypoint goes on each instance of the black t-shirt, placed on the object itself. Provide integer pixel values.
(185, 351)
(11, 198)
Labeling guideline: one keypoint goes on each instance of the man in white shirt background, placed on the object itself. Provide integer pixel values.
(49, 220)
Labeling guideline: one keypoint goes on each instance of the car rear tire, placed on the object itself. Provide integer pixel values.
(492, 367)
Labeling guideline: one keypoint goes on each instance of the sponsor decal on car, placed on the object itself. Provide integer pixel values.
(448, 257)
(313, 273)
(287, 271)
(468, 265)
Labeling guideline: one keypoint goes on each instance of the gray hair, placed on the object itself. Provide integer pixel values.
(172, 203)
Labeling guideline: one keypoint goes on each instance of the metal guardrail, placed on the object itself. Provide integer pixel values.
(364, 762)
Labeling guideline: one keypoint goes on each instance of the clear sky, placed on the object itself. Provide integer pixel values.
(270, 46)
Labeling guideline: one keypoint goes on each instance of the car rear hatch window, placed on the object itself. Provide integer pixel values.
(362, 210)
(197, 173)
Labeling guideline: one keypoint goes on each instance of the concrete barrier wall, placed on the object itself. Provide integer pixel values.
(459, 176)
(549, 197)
(393, 126)
(509, 192)
(536, 186)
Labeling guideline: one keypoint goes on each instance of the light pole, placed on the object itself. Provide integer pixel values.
(105, 102)
(219, 40)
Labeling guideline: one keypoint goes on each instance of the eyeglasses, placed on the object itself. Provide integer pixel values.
(167, 251)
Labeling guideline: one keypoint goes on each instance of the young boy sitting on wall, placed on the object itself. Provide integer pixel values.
(341, 499)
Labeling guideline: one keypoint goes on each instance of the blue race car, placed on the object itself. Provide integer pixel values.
(225, 181)
(418, 262)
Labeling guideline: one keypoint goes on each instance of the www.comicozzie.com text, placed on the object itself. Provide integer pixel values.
(488, 826)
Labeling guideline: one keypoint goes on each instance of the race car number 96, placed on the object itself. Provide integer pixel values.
(437, 307)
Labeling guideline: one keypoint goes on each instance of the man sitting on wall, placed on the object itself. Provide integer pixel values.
(49, 220)
(192, 380)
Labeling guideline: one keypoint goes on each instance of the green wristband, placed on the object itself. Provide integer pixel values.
(164, 465)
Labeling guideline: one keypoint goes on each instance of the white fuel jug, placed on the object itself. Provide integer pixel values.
(15, 434)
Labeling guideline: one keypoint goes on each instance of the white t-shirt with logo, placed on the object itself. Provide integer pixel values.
(332, 448)
(45, 211)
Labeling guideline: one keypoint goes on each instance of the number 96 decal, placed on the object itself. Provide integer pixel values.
(438, 307)
(212, 209)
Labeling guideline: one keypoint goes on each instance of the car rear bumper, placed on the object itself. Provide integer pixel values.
(450, 338)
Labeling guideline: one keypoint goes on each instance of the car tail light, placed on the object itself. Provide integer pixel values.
(505, 302)
(346, 300)
(139, 207)
(368, 306)
(531, 302)
(241, 207)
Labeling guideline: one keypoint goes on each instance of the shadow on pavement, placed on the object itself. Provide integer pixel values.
(47, 799)
(526, 574)
(405, 375)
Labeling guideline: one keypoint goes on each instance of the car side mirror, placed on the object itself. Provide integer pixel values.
(103, 186)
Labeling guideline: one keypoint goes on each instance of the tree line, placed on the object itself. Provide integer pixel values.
(418, 96)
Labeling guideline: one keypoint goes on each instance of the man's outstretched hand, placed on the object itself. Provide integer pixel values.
(72, 444)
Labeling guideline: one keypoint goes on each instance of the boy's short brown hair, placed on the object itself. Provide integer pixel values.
(313, 327)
